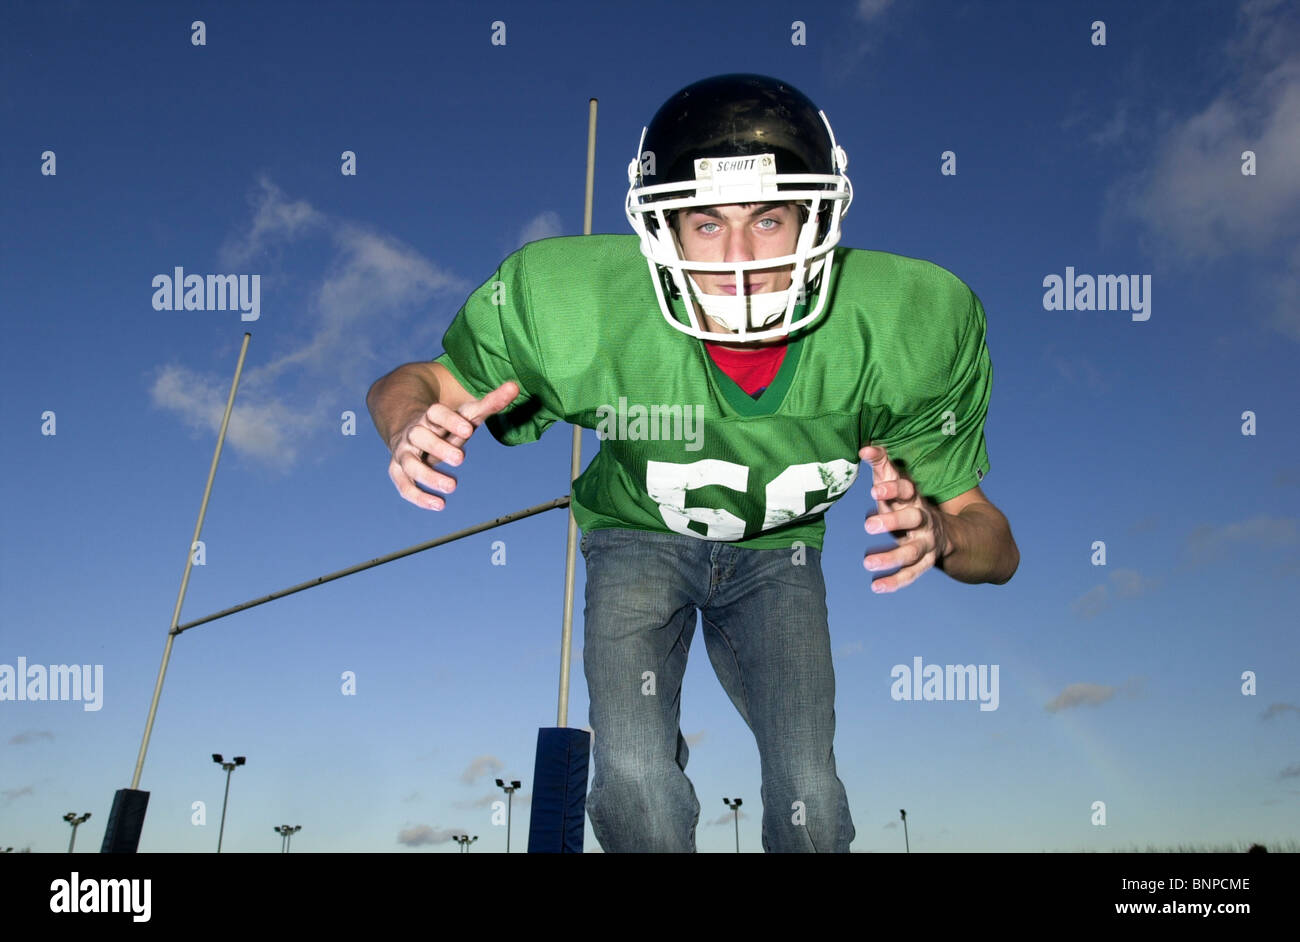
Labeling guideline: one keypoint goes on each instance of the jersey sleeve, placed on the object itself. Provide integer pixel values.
(942, 448)
(492, 340)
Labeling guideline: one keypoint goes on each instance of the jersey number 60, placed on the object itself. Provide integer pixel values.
(668, 482)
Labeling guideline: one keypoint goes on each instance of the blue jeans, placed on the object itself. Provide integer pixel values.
(766, 633)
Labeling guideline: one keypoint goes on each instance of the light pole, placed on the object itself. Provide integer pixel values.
(71, 818)
(736, 809)
(229, 767)
(906, 842)
(286, 835)
(510, 792)
(464, 840)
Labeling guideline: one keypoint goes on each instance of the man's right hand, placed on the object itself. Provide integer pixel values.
(436, 436)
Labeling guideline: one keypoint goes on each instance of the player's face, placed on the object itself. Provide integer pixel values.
(739, 232)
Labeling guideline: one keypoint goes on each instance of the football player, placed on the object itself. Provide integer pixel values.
(729, 423)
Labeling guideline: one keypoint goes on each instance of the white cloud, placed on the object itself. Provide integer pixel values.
(845, 46)
(1124, 584)
(422, 834)
(1075, 695)
(1279, 709)
(868, 10)
(275, 219)
(1093, 602)
(483, 765)
(30, 736)
(332, 321)
(1081, 695)
(260, 427)
(1192, 199)
(1129, 583)
(1195, 198)
(1209, 543)
(1285, 291)
(1113, 130)
(545, 225)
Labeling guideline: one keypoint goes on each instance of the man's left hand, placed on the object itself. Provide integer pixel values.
(917, 524)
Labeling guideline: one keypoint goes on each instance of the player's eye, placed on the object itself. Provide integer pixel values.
(775, 223)
(704, 227)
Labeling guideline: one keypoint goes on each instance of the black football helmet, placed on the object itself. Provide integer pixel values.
(739, 139)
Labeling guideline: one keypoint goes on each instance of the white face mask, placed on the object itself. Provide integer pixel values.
(747, 178)
(734, 311)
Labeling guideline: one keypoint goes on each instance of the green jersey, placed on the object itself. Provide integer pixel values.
(896, 359)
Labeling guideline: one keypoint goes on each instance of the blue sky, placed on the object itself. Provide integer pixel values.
(1119, 683)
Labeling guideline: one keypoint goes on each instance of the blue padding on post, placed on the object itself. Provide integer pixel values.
(559, 791)
(125, 822)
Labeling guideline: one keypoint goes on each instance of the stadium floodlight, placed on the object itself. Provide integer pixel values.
(286, 833)
(227, 767)
(464, 840)
(76, 822)
(736, 809)
(510, 794)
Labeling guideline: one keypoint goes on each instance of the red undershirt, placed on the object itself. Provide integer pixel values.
(752, 370)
